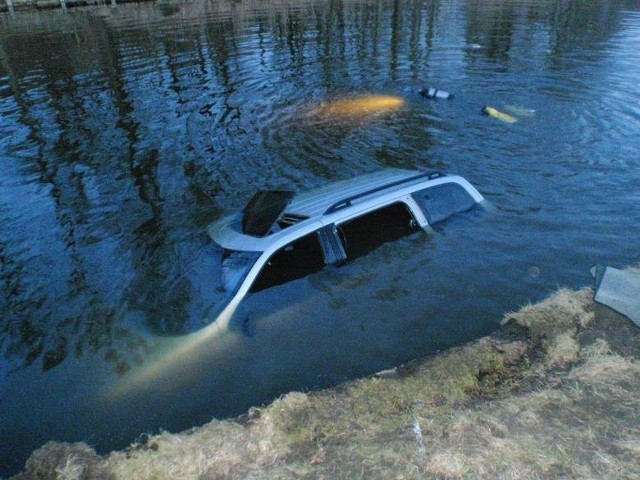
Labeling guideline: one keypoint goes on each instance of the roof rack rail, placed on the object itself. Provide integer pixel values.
(346, 202)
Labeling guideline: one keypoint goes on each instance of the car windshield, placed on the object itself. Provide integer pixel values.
(235, 266)
(230, 269)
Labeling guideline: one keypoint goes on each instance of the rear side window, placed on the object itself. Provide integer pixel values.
(442, 201)
(296, 260)
(366, 233)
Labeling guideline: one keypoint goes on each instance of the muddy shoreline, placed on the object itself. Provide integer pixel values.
(553, 393)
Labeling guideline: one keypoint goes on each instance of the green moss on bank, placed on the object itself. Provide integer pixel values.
(553, 394)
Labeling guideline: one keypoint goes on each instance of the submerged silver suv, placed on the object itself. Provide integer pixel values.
(281, 236)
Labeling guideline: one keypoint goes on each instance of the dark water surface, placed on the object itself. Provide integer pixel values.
(125, 131)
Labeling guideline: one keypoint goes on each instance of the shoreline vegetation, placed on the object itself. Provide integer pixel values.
(554, 393)
(27, 6)
(228, 8)
(13, 6)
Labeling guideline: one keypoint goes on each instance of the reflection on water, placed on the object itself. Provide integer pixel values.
(124, 132)
(362, 106)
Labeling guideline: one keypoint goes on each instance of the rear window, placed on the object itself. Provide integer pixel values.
(366, 233)
(442, 201)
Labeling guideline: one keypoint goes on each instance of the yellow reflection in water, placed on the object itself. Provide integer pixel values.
(362, 106)
(174, 359)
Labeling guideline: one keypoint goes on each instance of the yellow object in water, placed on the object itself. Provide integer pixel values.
(505, 117)
(364, 105)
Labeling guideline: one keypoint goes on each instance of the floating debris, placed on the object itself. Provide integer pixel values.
(505, 117)
(434, 93)
(520, 111)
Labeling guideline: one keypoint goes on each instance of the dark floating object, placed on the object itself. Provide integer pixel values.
(434, 93)
(262, 211)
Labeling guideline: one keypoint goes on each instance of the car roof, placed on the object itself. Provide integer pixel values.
(329, 198)
(309, 210)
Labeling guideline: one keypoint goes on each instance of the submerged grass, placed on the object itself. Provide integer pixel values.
(548, 396)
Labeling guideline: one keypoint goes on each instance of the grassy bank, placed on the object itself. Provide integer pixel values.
(553, 394)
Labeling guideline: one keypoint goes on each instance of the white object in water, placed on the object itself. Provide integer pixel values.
(434, 93)
(620, 290)
(520, 111)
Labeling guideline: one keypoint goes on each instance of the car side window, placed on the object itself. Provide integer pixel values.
(295, 260)
(442, 201)
(366, 233)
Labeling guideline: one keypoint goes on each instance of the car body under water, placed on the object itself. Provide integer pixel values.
(281, 236)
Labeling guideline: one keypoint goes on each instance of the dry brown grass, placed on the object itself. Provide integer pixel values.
(524, 405)
(220, 449)
(553, 324)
